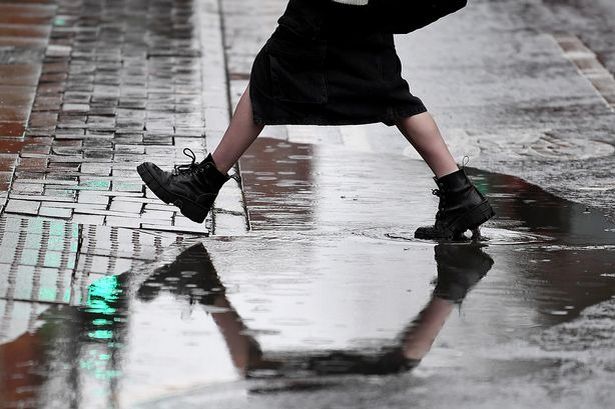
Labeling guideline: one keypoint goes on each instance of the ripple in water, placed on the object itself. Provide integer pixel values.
(491, 236)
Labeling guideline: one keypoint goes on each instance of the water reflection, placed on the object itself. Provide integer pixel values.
(193, 277)
(460, 267)
(70, 348)
(77, 352)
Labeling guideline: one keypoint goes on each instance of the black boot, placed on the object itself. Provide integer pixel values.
(193, 188)
(462, 207)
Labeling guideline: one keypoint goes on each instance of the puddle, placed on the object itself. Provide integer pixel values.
(490, 236)
(328, 297)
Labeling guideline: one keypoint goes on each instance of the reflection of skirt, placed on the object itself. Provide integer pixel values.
(329, 79)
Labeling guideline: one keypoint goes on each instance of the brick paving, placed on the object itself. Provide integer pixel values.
(88, 90)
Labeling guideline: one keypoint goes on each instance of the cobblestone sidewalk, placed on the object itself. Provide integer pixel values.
(88, 90)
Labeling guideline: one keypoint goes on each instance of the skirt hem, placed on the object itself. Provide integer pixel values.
(388, 120)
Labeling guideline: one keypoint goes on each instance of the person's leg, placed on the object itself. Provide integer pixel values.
(194, 187)
(462, 207)
(238, 137)
(423, 133)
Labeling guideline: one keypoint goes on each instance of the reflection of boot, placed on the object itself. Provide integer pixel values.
(192, 274)
(193, 188)
(460, 267)
(341, 363)
(462, 207)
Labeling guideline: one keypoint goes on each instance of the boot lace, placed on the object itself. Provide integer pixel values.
(440, 194)
(188, 168)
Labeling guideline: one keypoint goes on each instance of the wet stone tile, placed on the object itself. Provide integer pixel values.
(82, 218)
(127, 158)
(94, 149)
(56, 77)
(154, 216)
(55, 67)
(12, 128)
(14, 113)
(102, 110)
(58, 51)
(76, 108)
(100, 169)
(55, 192)
(125, 206)
(24, 31)
(22, 42)
(19, 74)
(5, 180)
(42, 198)
(103, 265)
(30, 174)
(55, 212)
(38, 164)
(43, 120)
(79, 86)
(26, 188)
(154, 139)
(136, 186)
(47, 103)
(68, 122)
(74, 97)
(22, 207)
(133, 103)
(127, 222)
(50, 88)
(99, 134)
(77, 207)
(36, 149)
(68, 143)
(92, 198)
(94, 184)
(11, 145)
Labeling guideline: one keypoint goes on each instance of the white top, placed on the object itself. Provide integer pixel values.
(353, 2)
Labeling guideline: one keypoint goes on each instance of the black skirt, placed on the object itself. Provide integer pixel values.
(323, 65)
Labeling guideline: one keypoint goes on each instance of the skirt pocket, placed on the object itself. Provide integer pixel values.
(297, 68)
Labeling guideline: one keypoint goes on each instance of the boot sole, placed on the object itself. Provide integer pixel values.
(472, 219)
(187, 207)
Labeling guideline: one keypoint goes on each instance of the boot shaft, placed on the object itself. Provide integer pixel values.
(211, 174)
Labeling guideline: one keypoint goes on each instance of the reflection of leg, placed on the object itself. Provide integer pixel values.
(418, 340)
(244, 349)
(423, 133)
(193, 275)
(460, 268)
(240, 134)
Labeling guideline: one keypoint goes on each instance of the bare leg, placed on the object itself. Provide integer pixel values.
(240, 134)
(423, 133)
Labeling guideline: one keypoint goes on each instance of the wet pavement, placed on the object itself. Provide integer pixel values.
(522, 87)
(322, 312)
(310, 290)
